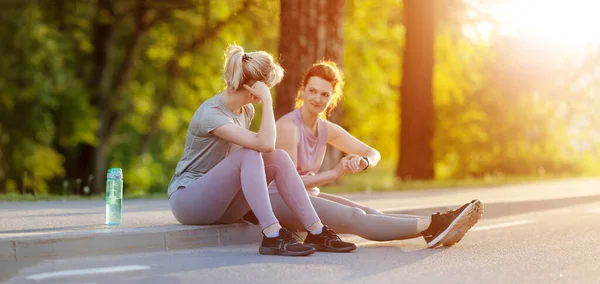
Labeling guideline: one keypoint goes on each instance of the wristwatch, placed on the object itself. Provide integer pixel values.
(368, 162)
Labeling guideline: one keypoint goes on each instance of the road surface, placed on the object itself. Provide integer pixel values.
(554, 246)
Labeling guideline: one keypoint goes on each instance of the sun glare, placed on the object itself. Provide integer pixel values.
(572, 22)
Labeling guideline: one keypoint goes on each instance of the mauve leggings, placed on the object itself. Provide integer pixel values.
(237, 184)
(348, 217)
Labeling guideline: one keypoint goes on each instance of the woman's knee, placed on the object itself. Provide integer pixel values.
(249, 155)
(352, 216)
(280, 153)
(345, 221)
(280, 156)
(372, 211)
(357, 212)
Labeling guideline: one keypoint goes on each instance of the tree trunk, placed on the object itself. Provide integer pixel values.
(94, 160)
(100, 81)
(111, 117)
(311, 30)
(161, 102)
(416, 101)
(3, 171)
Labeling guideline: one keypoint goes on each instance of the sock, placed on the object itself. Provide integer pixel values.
(316, 228)
(423, 224)
(272, 231)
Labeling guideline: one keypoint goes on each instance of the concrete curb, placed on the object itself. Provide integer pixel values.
(166, 238)
(179, 237)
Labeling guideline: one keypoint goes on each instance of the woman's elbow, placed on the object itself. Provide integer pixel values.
(267, 147)
(375, 155)
(264, 145)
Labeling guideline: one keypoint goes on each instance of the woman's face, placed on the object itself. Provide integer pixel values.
(317, 94)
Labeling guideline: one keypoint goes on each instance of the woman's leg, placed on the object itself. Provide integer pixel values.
(293, 196)
(348, 202)
(351, 220)
(226, 193)
(280, 168)
(368, 210)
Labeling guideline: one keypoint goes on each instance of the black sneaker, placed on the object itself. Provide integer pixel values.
(449, 226)
(475, 216)
(284, 244)
(328, 241)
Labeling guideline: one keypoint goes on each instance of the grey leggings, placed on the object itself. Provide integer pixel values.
(237, 184)
(348, 217)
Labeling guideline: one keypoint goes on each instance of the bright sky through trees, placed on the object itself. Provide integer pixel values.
(572, 22)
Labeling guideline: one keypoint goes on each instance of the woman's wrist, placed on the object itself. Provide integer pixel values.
(267, 99)
(368, 162)
(338, 173)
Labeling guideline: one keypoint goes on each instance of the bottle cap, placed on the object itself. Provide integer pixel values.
(116, 173)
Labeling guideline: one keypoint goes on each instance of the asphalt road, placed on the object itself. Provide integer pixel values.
(556, 246)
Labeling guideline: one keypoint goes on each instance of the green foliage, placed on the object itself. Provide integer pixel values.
(199, 78)
(42, 103)
(504, 108)
(499, 110)
(374, 36)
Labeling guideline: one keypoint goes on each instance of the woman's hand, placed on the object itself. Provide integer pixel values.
(356, 163)
(253, 99)
(343, 167)
(259, 92)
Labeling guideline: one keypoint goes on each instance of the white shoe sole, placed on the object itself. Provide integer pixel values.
(459, 233)
(458, 223)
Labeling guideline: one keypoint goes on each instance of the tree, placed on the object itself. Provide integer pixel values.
(37, 89)
(311, 30)
(417, 113)
(99, 76)
(173, 69)
(108, 95)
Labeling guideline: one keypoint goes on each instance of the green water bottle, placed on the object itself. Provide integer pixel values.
(114, 196)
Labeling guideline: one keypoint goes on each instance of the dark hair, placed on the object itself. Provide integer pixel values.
(328, 71)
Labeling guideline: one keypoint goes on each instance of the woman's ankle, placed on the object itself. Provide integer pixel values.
(316, 228)
(423, 224)
(272, 231)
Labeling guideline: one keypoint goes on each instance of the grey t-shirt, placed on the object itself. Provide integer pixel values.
(203, 150)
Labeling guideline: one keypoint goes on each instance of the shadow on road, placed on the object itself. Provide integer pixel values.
(376, 254)
(369, 260)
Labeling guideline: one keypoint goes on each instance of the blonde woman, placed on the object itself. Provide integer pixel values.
(221, 173)
(304, 134)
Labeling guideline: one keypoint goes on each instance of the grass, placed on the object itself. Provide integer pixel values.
(370, 181)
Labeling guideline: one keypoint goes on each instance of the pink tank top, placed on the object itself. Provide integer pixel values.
(311, 148)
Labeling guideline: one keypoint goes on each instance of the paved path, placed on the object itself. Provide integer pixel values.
(23, 219)
(553, 246)
(35, 231)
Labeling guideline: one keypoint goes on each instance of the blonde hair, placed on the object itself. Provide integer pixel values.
(246, 68)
